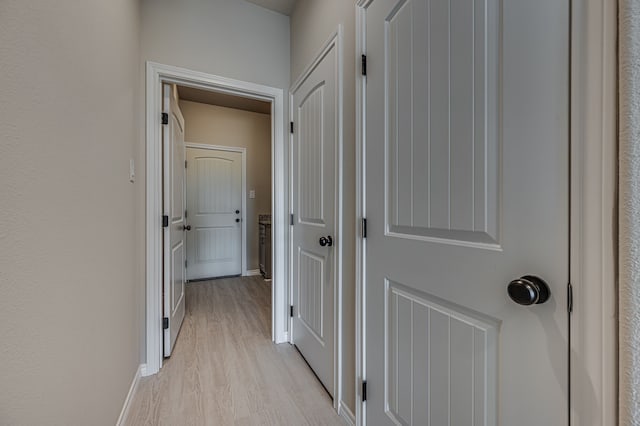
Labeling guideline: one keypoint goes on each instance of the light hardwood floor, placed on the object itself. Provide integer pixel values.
(226, 371)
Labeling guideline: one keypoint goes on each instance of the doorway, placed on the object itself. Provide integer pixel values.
(157, 74)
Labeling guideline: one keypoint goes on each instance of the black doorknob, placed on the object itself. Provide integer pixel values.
(187, 227)
(528, 290)
(237, 211)
(326, 241)
(237, 220)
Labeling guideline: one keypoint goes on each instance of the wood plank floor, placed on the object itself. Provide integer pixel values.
(226, 371)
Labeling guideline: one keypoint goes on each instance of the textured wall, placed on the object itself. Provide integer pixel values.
(69, 307)
(215, 125)
(312, 23)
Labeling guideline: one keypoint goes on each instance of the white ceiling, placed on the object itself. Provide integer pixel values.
(283, 6)
(223, 100)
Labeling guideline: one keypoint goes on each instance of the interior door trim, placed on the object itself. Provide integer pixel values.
(242, 151)
(156, 74)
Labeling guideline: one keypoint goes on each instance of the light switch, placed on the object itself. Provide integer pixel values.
(252, 193)
(132, 171)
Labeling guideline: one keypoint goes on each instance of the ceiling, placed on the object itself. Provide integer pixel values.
(223, 100)
(282, 6)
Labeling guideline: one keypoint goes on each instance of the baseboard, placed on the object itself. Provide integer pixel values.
(130, 395)
(252, 272)
(346, 414)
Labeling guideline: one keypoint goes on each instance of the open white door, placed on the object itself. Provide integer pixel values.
(466, 180)
(173, 206)
(214, 213)
(314, 151)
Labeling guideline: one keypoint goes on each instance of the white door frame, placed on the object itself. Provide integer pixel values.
(156, 74)
(593, 139)
(243, 152)
(335, 40)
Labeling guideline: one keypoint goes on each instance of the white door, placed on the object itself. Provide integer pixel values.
(314, 201)
(466, 190)
(214, 213)
(173, 207)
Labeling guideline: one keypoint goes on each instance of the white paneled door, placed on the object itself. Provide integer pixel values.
(467, 195)
(314, 192)
(214, 213)
(173, 207)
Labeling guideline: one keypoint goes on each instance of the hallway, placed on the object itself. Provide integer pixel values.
(225, 370)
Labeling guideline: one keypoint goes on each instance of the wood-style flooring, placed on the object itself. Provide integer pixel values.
(225, 370)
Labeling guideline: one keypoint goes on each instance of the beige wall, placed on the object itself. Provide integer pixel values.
(69, 303)
(215, 125)
(312, 23)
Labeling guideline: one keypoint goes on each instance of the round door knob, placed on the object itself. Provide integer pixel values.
(237, 220)
(237, 211)
(528, 290)
(326, 241)
(187, 227)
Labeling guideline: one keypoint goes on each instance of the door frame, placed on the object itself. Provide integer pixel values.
(593, 199)
(156, 74)
(243, 206)
(335, 40)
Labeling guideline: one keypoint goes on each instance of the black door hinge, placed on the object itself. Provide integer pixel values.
(291, 126)
(165, 118)
(364, 390)
(291, 311)
(291, 219)
(165, 323)
(186, 215)
(185, 164)
(364, 227)
(165, 221)
(364, 65)
(569, 298)
(185, 263)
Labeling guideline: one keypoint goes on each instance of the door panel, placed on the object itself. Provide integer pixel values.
(214, 198)
(314, 155)
(174, 206)
(466, 189)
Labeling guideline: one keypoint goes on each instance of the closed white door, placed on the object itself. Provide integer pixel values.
(466, 191)
(173, 206)
(314, 202)
(214, 215)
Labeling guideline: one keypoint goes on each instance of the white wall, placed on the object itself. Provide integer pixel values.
(312, 23)
(216, 125)
(69, 303)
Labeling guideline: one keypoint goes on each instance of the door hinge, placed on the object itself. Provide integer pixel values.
(364, 65)
(186, 215)
(165, 118)
(291, 219)
(165, 323)
(165, 221)
(185, 164)
(364, 390)
(291, 126)
(185, 263)
(291, 311)
(569, 298)
(364, 227)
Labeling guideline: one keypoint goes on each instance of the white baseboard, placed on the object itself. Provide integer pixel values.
(130, 395)
(252, 272)
(346, 414)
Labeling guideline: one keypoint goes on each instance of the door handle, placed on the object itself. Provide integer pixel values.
(187, 227)
(237, 220)
(529, 290)
(326, 241)
(237, 211)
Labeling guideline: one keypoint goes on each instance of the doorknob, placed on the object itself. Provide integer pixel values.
(237, 211)
(528, 290)
(237, 220)
(326, 241)
(187, 227)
